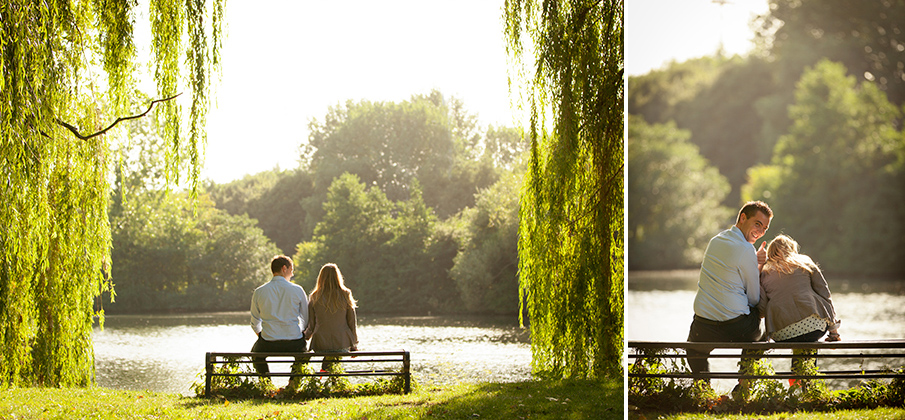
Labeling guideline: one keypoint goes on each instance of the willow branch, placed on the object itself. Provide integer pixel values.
(118, 120)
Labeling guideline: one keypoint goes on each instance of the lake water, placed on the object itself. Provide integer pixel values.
(659, 307)
(165, 353)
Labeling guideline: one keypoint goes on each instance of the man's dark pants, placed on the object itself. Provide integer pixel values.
(744, 328)
(279, 346)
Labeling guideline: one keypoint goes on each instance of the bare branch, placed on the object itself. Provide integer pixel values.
(118, 120)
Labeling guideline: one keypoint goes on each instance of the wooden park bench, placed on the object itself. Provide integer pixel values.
(867, 354)
(372, 358)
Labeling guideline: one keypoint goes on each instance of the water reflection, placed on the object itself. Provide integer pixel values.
(166, 352)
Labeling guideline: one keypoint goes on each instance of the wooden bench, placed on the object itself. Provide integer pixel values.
(358, 357)
(875, 350)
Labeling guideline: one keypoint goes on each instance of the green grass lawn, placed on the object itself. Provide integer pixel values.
(520, 400)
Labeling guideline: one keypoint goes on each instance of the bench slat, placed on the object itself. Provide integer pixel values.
(860, 344)
(270, 360)
(825, 350)
(770, 356)
(730, 375)
(290, 374)
(312, 353)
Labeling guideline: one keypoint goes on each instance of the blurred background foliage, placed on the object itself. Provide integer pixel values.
(810, 122)
(415, 202)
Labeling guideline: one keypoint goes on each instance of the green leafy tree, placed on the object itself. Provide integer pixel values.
(354, 227)
(236, 197)
(67, 73)
(385, 144)
(506, 147)
(181, 254)
(173, 252)
(390, 145)
(273, 198)
(674, 198)
(655, 96)
(737, 108)
(835, 182)
(724, 102)
(486, 268)
(385, 250)
(571, 220)
(726, 119)
(866, 37)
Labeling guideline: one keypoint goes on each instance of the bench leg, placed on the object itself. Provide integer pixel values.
(406, 369)
(698, 363)
(208, 372)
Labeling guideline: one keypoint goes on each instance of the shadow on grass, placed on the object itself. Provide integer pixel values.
(566, 399)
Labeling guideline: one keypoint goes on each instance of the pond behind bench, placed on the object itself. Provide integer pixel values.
(165, 353)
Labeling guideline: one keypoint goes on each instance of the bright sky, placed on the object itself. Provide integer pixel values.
(287, 61)
(659, 31)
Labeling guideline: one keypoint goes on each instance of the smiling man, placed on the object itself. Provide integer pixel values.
(725, 306)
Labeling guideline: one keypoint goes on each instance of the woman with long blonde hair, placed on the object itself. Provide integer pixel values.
(795, 298)
(331, 313)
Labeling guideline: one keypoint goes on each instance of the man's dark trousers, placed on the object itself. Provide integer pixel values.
(744, 328)
(279, 346)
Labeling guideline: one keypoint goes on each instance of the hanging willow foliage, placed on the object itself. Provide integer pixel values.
(571, 210)
(68, 67)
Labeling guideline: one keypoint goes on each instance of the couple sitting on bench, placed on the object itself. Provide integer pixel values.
(284, 319)
(738, 286)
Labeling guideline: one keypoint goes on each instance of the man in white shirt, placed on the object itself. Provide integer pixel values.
(725, 306)
(279, 313)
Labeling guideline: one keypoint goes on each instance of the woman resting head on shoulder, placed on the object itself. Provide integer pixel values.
(795, 298)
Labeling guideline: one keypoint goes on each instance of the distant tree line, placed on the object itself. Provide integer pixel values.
(810, 122)
(417, 206)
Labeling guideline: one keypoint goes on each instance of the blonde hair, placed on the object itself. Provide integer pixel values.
(331, 290)
(783, 257)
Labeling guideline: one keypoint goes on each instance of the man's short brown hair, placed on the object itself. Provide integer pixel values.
(751, 207)
(278, 262)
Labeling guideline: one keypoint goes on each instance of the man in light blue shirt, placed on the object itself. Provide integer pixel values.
(279, 313)
(725, 306)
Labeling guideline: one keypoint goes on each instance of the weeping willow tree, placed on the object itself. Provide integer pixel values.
(68, 73)
(569, 61)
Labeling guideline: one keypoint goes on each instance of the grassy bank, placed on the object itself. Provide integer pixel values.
(532, 399)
